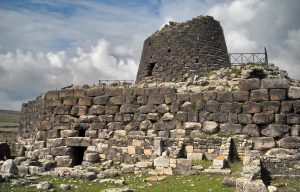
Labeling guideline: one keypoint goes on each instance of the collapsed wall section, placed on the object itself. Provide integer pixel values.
(132, 124)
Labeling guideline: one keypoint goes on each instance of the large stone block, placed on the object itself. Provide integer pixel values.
(259, 95)
(278, 94)
(128, 108)
(245, 118)
(9, 167)
(294, 92)
(249, 84)
(170, 98)
(230, 128)
(97, 110)
(117, 100)
(286, 106)
(275, 130)
(85, 101)
(78, 141)
(91, 157)
(291, 142)
(187, 107)
(251, 107)
(241, 96)
(78, 110)
(192, 125)
(209, 95)
(183, 166)
(111, 110)
(162, 161)
(251, 130)
(178, 133)
(293, 119)
(61, 151)
(295, 130)
(63, 161)
(55, 142)
(263, 118)
(225, 97)
(96, 91)
(62, 110)
(51, 95)
(195, 156)
(147, 109)
(296, 106)
(69, 133)
(244, 185)
(271, 106)
(263, 142)
(212, 106)
(158, 147)
(69, 101)
(274, 84)
(113, 91)
(210, 127)
(100, 100)
(155, 99)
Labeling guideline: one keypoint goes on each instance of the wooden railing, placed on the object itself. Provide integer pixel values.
(244, 58)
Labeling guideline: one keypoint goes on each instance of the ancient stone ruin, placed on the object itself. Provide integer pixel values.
(180, 50)
(249, 112)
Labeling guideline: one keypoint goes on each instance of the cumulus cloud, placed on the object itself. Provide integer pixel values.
(24, 74)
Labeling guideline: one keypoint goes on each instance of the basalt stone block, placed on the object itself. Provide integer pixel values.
(96, 91)
(53, 102)
(278, 94)
(155, 99)
(167, 90)
(111, 110)
(174, 107)
(225, 97)
(170, 98)
(291, 142)
(183, 97)
(178, 133)
(241, 96)
(245, 118)
(294, 92)
(275, 130)
(139, 91)
(97, 110)
(79, 92)
(183, 166)
(85, 101)
(249, 84)
(78, 110)
(295, 130)
(55, 142)
(226, 107)
(263, 143)
(128, 108)
(187, 107)
(97, 126)
(67, 119)
(210, 127)
(78, 141)
(251, 107)
(212, 106)
(293, 119)
(193, 117)
(271, 106)
(9, 167)
(100, 100)
(280, 118)
(259, 95)
(181, 116)
(296, 106)
(117, 100)
(69, 101)
(209, 95)
(192, 125)
(147, 109)
(153, 91)
(251, 130)
(61, 126)
(91, 157)
(230, 128)
(274, 84)
(286, 106)
(220, 117)
(263, 118)
(63, 161)
(66, 93)
(199, 106)
(46, 125)
(113, 91)
(162, 161)
(62, 110)
(163, 108)
(195, 97)
(142, 99)
(61, 151)
(232, 118)
(69, 133)
(51, 95)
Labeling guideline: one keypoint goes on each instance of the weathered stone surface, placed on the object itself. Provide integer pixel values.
(97, 110)
(78, 110)
(259, 95)
(251, 107)
(85, 101)
(278, 94)
(167, 117)
(291, 142)
(244, 185)
(241, 96)
(44, 185)
(251, 130)
(9, 167)
(245, 118)
(183, 166)
(263, 118)
(117, 100)
(271, 106)
(279, 152)
(295, 130)
(249, 84)
(275, 130)
(147, 109)
(212, 106)
(192, 125)
(188, 106)
(225, 97)
(294, 92)
(231, 128)
(293, 119)
(55, 142)
(157, 146)
(162, 161)
(91, 157)
(128, 108)
(78, 141)
(263, 142)
(69, 133)
(100, 100)
(210, 127)
(209, 95)
(63, 161)
(195, 156)
(61, 151)
(296, 106)
(274, 84)
(178, 133)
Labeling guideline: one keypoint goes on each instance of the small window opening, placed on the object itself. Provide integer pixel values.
(78, 153)
(150, 68)
(81, 133)
(169, 50)
(149, 43)
(197, 60)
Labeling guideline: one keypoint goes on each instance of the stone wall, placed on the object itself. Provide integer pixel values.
(133, 124)
(181, 50)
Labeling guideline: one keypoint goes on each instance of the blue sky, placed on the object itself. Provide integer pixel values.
(49, 44)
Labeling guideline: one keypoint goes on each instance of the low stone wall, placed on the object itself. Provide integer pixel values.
(132, 124)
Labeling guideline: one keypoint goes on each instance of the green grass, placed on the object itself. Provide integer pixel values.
(9, 116)
(204, 163)
(286, 184)
(203, 182)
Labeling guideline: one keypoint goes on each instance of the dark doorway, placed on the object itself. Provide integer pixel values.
(78, 153)
(150, 68)
(81, 133)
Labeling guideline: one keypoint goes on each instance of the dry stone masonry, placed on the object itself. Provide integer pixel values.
(162, 126)
(180, 50)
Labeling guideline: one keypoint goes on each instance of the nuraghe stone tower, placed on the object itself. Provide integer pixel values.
(180, 50)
